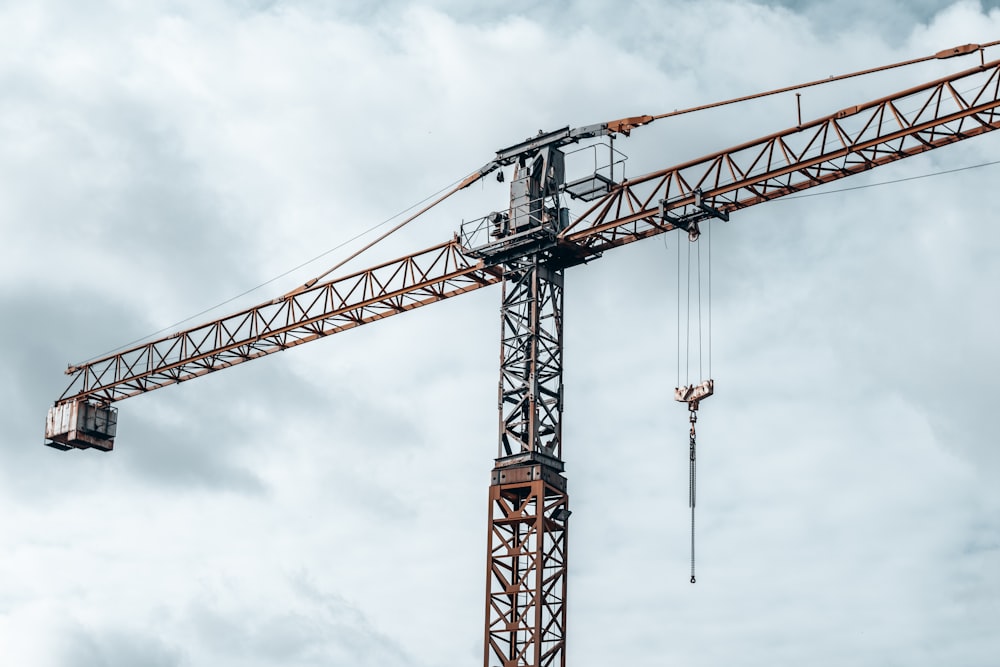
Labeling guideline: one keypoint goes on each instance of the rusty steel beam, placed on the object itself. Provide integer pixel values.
(531, 352)
(301, 316)
(526, 568)
(851, 141)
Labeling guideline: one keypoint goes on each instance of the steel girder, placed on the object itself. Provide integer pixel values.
(529, 505)
(530, 391)
(526, 569)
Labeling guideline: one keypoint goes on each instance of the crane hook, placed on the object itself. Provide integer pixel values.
(693, 395)
(692, 470)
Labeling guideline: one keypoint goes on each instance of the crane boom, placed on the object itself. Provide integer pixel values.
(848, 142)
(853, 140)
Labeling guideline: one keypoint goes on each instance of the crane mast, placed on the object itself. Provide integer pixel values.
(528, 499)
(527, 248)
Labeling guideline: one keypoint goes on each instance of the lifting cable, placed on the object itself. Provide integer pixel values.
(693, 393)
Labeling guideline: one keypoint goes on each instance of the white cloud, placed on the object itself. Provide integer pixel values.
(326, 506)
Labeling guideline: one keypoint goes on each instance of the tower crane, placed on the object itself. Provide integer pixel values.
(552, 223)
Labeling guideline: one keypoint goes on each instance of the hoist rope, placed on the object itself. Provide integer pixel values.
(687, 327)
(709, 299)
(693, 263)
(701, 374)
(678, 313)
(702, 310)
(704, 298)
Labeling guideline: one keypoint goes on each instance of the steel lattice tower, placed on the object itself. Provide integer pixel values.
(529, 506)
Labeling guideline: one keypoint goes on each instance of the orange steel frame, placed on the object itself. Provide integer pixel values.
(529, 505)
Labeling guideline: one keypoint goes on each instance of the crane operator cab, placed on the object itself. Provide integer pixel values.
(534, 218)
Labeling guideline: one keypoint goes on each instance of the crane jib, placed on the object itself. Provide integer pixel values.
(830, 148)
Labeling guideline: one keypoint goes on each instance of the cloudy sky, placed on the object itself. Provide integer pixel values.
(327, 506)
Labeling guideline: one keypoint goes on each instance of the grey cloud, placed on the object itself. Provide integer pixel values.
(316, 628)
(51, 327)
(828, 504)
(109, 647)
(210, 438)
(184, 457)
(128, 193)
(43, 329)
(889, 18)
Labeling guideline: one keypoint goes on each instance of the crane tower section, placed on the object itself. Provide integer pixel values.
(528, 501)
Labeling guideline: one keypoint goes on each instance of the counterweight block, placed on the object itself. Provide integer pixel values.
(81, 425)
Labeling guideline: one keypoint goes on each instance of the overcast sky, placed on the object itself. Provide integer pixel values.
(327, 506)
